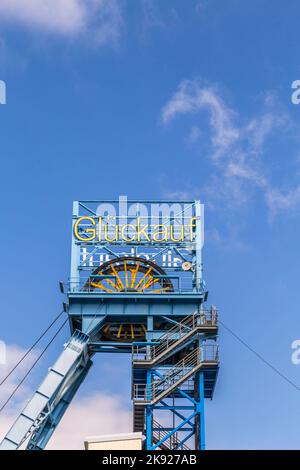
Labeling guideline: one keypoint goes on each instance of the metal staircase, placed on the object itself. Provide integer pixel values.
(204, 321)
(176, 375)
(182, 364)
(171, 442)
(138, 418)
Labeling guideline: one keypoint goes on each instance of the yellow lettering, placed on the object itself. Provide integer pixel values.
(106, 230)
(172, 238)
(161, 230)
(129, 232)
(125, 227)
(100, 229)
(142, 230)
(192, 226)
(88, 230)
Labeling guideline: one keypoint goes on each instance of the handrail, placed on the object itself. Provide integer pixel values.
(174, 439)
(176, 373)
(179, 370)
(76, 285)
(176, 333)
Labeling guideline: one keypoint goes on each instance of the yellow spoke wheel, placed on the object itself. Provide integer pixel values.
(128, 274)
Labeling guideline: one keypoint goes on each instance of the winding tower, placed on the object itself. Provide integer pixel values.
(135, 287)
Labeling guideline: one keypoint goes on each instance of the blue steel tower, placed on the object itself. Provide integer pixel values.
(135, 287)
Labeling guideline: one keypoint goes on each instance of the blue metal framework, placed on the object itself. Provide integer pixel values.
(196, 410)
(135, 287)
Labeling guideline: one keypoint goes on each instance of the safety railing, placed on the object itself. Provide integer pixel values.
(172, 442)
(175, 375)
(175, 335)
(180, 285)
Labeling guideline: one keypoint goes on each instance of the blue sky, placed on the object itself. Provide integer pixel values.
(158, 99)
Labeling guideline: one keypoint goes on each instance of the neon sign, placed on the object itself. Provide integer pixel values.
(88, 229)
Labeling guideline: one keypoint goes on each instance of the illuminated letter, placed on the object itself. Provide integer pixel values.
(88, 230)
(164, 232)
(192, 225)
(106, 227)
(100, 229)
(181, 239)
(142, 230)
(125, 227)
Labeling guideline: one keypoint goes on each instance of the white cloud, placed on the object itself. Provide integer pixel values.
(237, 147)
(228, 241)
(91, 415)
(279, 200)
(98, 413)
(259, 129)
(238, 167)
(99, 19)
(10, 412)
(190, 97)
(64, 16)
(13, 355)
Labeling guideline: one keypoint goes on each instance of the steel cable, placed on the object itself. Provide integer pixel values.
(260, 357)
(31, 348)
(33, 365)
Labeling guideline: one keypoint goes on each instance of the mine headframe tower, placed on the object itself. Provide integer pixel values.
(135, 287)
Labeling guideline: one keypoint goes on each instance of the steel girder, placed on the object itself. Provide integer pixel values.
(43, 412)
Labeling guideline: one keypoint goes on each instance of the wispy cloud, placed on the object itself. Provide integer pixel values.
(190, 97)
(100, 20)
(237, 144)
(279, 200)
(155, 16)
(152, 17)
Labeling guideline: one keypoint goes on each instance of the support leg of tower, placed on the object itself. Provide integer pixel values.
(199, 407)
(149, 417)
